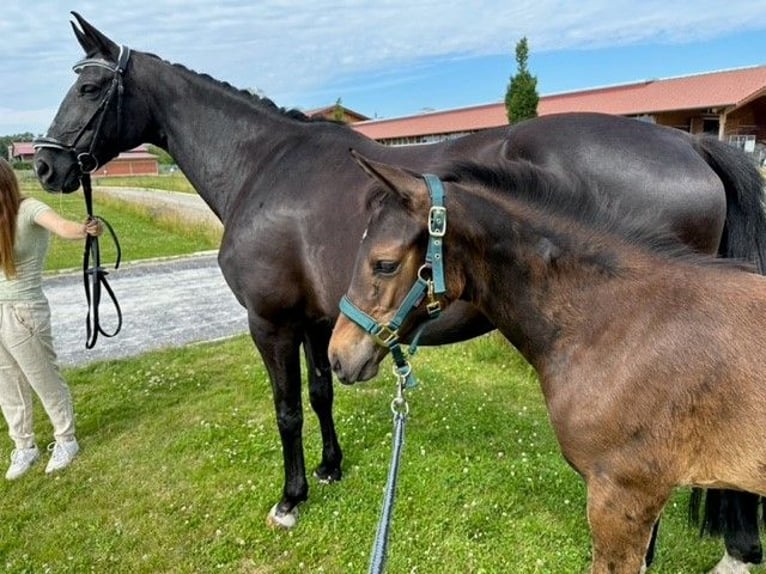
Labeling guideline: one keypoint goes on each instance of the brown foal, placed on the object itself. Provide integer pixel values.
(650, 357)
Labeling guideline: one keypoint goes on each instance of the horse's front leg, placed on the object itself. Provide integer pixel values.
(621, 522)
(321, 396)
(279, 347)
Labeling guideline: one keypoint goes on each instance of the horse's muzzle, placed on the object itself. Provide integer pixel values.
(57, 171)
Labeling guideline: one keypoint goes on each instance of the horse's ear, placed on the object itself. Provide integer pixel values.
(408, 185)
(92, 41)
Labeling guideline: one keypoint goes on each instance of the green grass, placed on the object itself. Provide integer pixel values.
(142, 233)
(181, 462)
(175, 181)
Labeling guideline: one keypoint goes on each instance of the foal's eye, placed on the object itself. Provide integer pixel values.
(385, 267)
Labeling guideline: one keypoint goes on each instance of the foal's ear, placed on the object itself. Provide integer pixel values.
(92, 41)
(407, 184)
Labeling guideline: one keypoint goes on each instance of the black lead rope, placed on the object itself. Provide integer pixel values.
(94, 275)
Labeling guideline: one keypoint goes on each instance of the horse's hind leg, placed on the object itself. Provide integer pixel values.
(321, 396)
(738, 521)
(650, 551)
(621, 522)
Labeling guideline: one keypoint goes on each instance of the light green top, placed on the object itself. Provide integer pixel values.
(29, 252)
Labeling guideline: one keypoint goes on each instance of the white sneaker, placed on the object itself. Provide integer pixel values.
(62, 454)
(22, 460)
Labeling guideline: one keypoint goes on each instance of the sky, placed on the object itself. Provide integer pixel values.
(382, 59)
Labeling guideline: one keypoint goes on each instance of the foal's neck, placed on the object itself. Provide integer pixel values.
(544, 283)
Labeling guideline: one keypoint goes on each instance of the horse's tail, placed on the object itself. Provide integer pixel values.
(734, 515)
(744, 235)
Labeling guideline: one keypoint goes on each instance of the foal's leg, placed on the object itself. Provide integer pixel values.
(621, 522)
(321, 396)
(279, 348)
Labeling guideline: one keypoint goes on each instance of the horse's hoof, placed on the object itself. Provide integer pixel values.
(729, 565)
(325, 477)
(285, 520)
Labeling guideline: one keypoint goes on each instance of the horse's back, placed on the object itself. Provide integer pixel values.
(638, 166)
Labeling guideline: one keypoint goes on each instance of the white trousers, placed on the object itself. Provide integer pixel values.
(28, 363)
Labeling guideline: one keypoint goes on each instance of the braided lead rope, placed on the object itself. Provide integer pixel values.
(401, 410)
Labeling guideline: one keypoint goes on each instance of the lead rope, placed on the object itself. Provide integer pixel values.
(401, 410)
(94, 275)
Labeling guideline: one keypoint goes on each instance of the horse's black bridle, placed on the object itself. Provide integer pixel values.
(86, 159)
(94, 275)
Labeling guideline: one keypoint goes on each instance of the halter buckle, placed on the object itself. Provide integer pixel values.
(437, 221)
(386, 336)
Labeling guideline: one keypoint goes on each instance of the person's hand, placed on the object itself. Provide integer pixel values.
(93, 226)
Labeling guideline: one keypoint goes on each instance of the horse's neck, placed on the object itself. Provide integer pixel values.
(217, 137)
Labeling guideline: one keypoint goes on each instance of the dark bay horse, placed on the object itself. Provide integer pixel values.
(650, 355)
(291, 201)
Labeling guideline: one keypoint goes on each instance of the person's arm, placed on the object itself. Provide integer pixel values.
(65, 228)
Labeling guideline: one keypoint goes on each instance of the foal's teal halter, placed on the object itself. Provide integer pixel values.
(432, 287)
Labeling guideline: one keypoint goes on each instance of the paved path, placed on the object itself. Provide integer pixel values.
(165, 303)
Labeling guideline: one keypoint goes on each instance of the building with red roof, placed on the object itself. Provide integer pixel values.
(729, 103)
(137, 161)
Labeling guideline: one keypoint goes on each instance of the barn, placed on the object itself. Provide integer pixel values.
(730, 104)
(137, 161)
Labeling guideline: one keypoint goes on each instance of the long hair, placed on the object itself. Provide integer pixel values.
(10, 199)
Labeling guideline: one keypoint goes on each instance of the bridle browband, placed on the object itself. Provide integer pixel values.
(430, 283)
(94, 275)
(86, 159)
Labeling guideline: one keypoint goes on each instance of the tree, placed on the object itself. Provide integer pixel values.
(337, 113)
(163, 157)
(521, 97)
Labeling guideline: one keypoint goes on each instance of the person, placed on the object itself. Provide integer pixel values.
(28, 362)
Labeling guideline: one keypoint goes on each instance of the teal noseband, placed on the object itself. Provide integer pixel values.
(431, 287)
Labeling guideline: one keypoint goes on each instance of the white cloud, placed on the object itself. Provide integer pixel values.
(289, 47)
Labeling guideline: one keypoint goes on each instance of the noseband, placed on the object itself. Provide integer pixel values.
(94, 275)
(430, 283)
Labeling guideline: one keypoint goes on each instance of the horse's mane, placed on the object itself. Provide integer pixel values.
(259, 101)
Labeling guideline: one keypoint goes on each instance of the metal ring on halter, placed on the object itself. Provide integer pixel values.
(85, 159)
(424, 267)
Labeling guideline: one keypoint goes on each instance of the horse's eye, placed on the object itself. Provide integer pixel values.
(386, 267)
(89, 89)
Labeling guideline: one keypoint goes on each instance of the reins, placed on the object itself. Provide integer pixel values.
(94, 275)
(429, 284)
